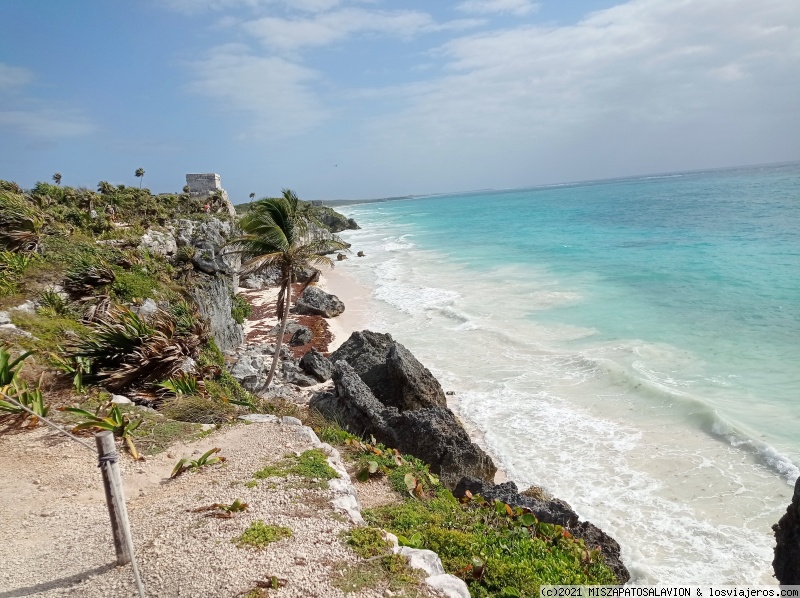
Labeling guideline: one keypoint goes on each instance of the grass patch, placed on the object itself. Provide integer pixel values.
(198, 408)
(261, 535)
(157, 433)
(391, 570)
(496, 552)
(50, 331)
(367, 542)
(311, 464)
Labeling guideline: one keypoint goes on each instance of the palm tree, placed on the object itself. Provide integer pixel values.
(252, 196)
(105, 188)
(277, 234)
(140, 175)
(57, 178)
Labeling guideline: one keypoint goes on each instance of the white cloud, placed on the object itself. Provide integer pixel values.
(331, 27)
(13, 78)
(482, 7)
(629, 77)
(273, 91)
(46, 122)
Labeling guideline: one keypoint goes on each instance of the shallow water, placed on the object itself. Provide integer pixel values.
(630, 345)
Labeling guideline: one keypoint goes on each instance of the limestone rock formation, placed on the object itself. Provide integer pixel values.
(315, 301)
(550, 511)
(787, 536)
(433, 434)
(301, 336)
(317, 365)
(390, 371)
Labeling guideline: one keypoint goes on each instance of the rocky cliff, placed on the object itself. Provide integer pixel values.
(787, 537)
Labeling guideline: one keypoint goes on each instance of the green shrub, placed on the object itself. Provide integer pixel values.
(310, 464)
(240, 309)
(134, 284)
(261, 535)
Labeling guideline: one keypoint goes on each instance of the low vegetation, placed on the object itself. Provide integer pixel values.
(260, 535)
(311, 464)
(205, 460)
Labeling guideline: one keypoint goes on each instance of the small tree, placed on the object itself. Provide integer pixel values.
(278, 235)
(140, 175)
(252, 196)
(57, 178)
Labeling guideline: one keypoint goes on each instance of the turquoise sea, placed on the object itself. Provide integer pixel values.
(632, 345)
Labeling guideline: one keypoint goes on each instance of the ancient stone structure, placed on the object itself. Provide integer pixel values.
(202, 184)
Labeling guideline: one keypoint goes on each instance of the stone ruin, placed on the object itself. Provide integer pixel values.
(207, 184)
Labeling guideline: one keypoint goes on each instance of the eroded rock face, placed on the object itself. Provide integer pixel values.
(390, 371)
(316, 365)
(301, 336)
(432, 434)
(213, 296)
(550, 511)
(315, 301)
(787, 536)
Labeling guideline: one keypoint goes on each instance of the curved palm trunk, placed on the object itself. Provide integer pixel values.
(282, 331)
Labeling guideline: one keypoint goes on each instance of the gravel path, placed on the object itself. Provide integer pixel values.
(55, 537)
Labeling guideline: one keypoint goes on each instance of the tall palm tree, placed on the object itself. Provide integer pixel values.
(252, 197)
(140, 175)
(57, 178)
(277, 234)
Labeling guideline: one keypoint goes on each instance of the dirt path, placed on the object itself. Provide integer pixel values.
(55, 537)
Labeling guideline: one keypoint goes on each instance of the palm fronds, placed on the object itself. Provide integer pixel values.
(20, 222)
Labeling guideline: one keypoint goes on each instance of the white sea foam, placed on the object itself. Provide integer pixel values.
(622, 430)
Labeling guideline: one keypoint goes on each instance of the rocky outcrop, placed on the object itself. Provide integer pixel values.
(316, 302)
(787, 537)
(158, 243)
(390, 371)
(550, 510)
(334, 221)
(214, 299)
(316, 365)
(432, 434)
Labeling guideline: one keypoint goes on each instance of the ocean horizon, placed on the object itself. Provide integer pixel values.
(628, 344)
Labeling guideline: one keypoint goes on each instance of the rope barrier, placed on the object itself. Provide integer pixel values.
(49, 423)
(104, 462)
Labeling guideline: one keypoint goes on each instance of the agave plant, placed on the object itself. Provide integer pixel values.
(126, 348)
(205, 459)
(182, 384)
(77, 367)
(8, 368)
(87, 276)
(20, 222)
(115, 421)
(31, 398)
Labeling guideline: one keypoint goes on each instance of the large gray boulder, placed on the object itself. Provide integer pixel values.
(551, 510)
(787, 548)
(317, 365)
(432, 434)
(214, 298)
(301, 336)
(315, 301)
(390, 371)
(158, 243)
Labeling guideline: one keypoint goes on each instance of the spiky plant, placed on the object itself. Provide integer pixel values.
(126, 348)
(86, 277)
(20, 222)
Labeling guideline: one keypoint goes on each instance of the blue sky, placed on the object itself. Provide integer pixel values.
(374, 98)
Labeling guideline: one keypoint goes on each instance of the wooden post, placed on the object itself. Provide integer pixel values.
(115, 499)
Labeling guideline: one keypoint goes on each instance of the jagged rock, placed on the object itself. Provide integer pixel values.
(390, 371)
(340, 257)
(786, 563)
(251, 369)
(308, 275)
(552, 511)
(335, 221)
(432, 434)
(301, 336)
(293, 375)
(207, 258)
(317, 365)
(213, 296)
(158, 243)
(360, 254)
(315, 301)
(147, 308)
